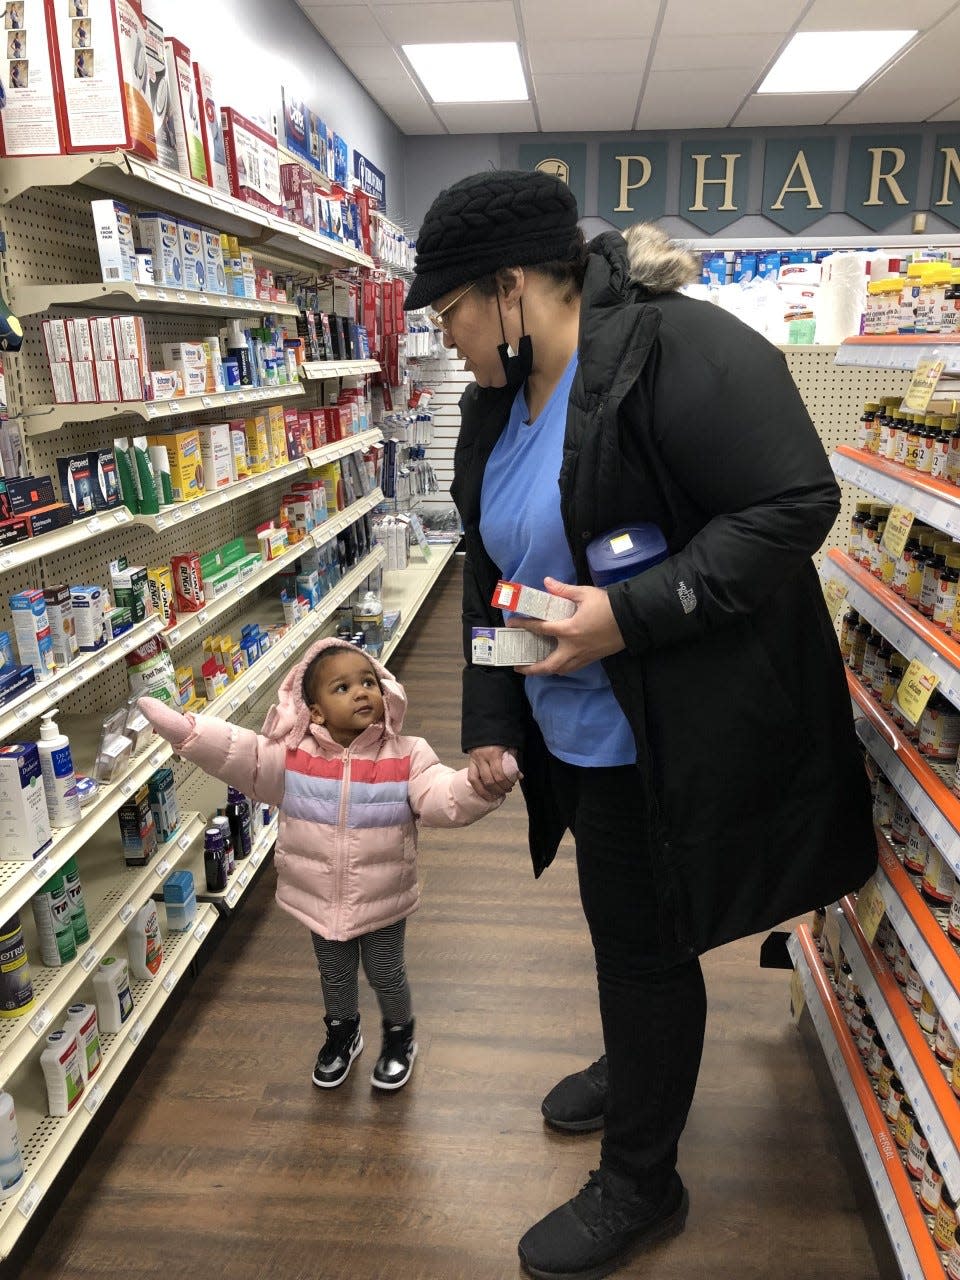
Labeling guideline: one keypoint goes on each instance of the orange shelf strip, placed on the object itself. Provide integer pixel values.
(901, 340)
(896, 471)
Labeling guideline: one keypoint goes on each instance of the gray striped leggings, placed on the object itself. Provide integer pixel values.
(382, 955)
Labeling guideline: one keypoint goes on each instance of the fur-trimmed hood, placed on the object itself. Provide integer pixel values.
(288, 721)
(658, 263)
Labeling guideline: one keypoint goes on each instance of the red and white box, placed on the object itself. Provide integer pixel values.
(187, 582)
(81, 343)
(108, 380)
(530, 602)
(253, 161)
(211, 130)
(296, 186)
(131, 380)
(56, 341)
(186, 114)
(130, 337)
(104, 343)
(85, 382)
(31, 124)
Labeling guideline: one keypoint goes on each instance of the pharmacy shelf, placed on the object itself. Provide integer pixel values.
(40, 420)
(48, 544)
(172, 516)
(86, 666)
(358, 443)
(905, 628)
(19, 881)
(118, 173)
(407, 589)
(916, 1253)
(934, 501)
(192, 623)
(47, 1142)
(914, 1061)
(928, 798)
(112, 896)
(125, 295)
(899, 351)
(243, 876)
(320, 370)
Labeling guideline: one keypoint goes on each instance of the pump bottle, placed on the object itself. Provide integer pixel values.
(59, 779)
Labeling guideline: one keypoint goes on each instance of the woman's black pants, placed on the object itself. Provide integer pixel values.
(653, 1003)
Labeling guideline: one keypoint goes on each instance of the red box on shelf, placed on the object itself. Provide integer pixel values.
(253, 162)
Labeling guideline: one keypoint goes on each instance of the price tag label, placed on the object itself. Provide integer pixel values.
(203, 300)
(161, 295)
(136, 1032)
(162, 868)
(256, 858)
(89, 959)
(835, 592)
(797, 999)
(95, 525)
(30, 1199)
(184, 841)
(202, 616)
(177, 515)
(196, 508)
(915, 690)
(153, 410)
(207, 401)
(40, 1020)
(127, 788)
(7, 560)
(895, 535)
(43, 870)
(181, 296)
(871, 909)
(200, 932)
(93, 1099)
(244, 878)
(232, 896)
(126, 912)
(922, 385)
(168, 982)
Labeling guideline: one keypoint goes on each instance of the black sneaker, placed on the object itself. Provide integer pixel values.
(397, 1053)
(575, 1104)
(343, 1043)
(592, 1234)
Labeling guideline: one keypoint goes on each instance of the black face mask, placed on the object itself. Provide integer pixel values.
(517, 366)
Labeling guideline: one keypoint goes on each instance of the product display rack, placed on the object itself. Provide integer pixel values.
(900, 351)
(407, 589)
(916, 1254)
(48, 1141)
(934, 501)
(321, 370)
(125, 295)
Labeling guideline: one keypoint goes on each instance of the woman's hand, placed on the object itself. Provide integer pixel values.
(590, 634)
(492, 771)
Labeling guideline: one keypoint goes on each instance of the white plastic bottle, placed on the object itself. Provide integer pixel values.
(145, 943)
(61, 1071)
(82, 1022)
(59, 778)
(11, 1157)
(111, 989)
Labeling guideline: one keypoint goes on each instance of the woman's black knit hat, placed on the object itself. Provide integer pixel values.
(501, 218)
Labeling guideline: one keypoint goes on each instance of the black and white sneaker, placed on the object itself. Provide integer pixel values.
(343, 1043)
(397, 1053)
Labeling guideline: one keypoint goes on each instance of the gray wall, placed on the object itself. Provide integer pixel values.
(434, 162)
(252, 47)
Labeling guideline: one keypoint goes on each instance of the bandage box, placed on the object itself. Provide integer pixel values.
(211, 130)
(531, 603)
(102, 61)
(193, 263)
(186, 462)
(114, 230)
(186, 114)
(30, 124)
(216, 455)
(104, 479)
(28, 493)
(24, 821)
(88, 608)
(160, 233)
(45, 519)
(131, 589)
(508, 647)
(253, 162)
(76, 483)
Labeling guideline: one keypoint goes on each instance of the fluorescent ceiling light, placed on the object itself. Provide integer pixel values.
(832, 61)
(489, 72)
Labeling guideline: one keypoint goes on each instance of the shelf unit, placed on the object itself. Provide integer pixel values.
(41, 419)
(905, 628)
(934, 501)
(125, 295)
(900, 351)
(408, 589)
(917, 1255)
(322, 370)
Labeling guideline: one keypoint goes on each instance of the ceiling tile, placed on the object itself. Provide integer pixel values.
(569, 103)
(345, 25)
(876, 15)
(923, 80)
(394, 93)
(552, 57)
(306, 6)
(453, 22)
(704, 52)
(790, 108)
(565, 19)
(374, 63)
(415, 120)
(704, 101)
(686, 17)
(951, 112)
(492, 117)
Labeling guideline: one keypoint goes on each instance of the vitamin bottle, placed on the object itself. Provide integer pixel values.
(856, 528)
(884, 654)
(937, 885)
(917, 1153)
(945, 605)
(847, 626)
(945, 1046)
(941, 451)
(860, 635)
(931, 577)
(871, 650)
(931, 1185)
(945, 1225)
(869, 433)
(914, 432)
(901, 432)
(904, 565)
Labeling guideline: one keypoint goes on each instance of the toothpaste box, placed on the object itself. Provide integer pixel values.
(508, 647)
(192, 257)
(160, 233)
(24, 821)
(531, 603)
(114, 230)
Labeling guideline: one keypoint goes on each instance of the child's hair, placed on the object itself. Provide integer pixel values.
(317, 661)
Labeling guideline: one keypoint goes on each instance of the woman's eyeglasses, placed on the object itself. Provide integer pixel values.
(441, 319)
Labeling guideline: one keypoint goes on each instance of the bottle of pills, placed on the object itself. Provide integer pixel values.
(903, 1131)
(868, 435)
(847, 627)
(945, 1225)
(913, 989)
(904, 565)
(900, 823)
(884, 654)
(931, 577)
(896, 669)
(928, 1015)
(918, 847)
(955, 1076)
(941, 451)
(946, 602)
(875, 1057)
(893, 1099)
(931, 1185)
(855, 1017)
(860, 635)
(884, 1079)
(816, 925)
(914, 584)
(868, 1029)
(860, 514)
(938, 882)
(945, 1047)
(939, 729)
(914, 431)
(870, 651)
(917, 1153)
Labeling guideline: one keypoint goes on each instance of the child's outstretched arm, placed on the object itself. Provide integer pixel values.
(244, 759)
(441, 796)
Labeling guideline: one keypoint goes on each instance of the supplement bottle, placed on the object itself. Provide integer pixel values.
(946, 602)
(931, 577)
(11, 1157)
(16, 985)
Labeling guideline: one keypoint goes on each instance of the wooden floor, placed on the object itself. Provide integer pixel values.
(224, 1160)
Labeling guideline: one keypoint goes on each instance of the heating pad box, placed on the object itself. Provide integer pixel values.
(253, 162)
(31, 123)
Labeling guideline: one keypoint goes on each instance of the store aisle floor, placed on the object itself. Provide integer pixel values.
(225, 1160)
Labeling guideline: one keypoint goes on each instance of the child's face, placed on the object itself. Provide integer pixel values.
(346, 695)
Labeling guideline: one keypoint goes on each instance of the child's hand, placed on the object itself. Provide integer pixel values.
(510, 768)
(168, 723)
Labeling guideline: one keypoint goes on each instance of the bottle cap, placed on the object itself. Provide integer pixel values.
(48, 728)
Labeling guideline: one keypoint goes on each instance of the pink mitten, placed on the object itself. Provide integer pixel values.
(168, 723)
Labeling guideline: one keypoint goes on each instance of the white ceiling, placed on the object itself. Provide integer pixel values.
(622, 65)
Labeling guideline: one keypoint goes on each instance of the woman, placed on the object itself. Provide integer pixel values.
(692, 726)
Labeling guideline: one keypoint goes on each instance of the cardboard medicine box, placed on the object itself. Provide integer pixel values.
(531, 603)
(508, 647)
(24, 822)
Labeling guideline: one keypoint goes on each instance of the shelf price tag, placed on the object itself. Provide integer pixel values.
(89, 959)
(871, 909)
(162, 868)
(797, 999)
(895, 535)
(200, 932)
(136, 1032)
(126, 912)
(43, 870)
(30, 1199)
(168, 982)
(93, 1099)
(922, 386)
(915, 690)
(835, 592)
(40, 1020)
